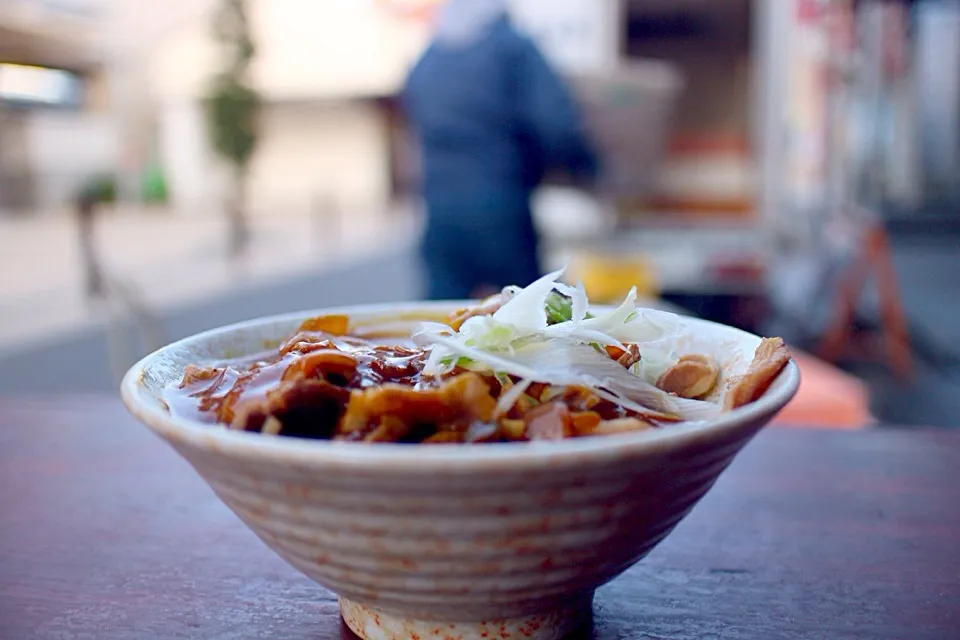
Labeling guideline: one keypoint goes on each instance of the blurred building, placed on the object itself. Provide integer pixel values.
(750, 138)
(130, 79)
(323, 69)
(54, 126)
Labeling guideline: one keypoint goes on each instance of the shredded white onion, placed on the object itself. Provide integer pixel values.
(517, 340)
(510, 397)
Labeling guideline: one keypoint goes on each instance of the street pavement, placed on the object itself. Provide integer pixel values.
(175, 268)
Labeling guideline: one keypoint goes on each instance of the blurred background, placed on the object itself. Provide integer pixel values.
(791, 167)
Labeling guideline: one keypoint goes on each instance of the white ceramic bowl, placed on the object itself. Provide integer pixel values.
(461, 541)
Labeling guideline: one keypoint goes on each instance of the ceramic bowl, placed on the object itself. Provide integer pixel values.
(463, 542)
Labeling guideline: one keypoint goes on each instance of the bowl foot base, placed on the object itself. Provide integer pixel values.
(371, 624)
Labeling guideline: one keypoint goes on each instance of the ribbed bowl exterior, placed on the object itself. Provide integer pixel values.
(466, 534)
(464, 546)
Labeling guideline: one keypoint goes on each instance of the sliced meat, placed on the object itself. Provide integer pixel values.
(771, 356)
(305, 342)
(513, 429)
(620, 425)
(694, 376)
(630, 357)
(487, 307)
(396, 364)
(585, 422)
(335, 325)
(331, 365)
(390, 429)
(193, 374)
(309, 408)
(460, 401)
(445, 437)
(549, 422)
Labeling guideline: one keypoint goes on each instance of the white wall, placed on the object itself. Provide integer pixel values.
(306, 152)
(331, 151)
(310, 55)
(66, 148)
(192, 178)
(331, 48)
(324, 48)
(577, 35)
(938, 93)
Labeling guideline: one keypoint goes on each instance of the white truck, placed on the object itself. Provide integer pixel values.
(745, 161)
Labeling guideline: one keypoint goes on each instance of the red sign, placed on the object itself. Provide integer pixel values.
(808, 10)
(412, 9)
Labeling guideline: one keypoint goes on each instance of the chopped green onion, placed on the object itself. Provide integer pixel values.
(462, 361)
(559, 308)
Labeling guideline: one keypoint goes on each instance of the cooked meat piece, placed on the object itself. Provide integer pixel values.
(397, 363)
(620, 425)
(551, 393)
(305, 408)
(334, 325)
(445, 437)
(461, 400)
(692, 377)
(771, 356)
(536, 390)
(418, 433)
(630, 357)
(390, 429)
(272, 426)
(305, 342)
(580, 398)
(585, 422)
(193, 374)
(487, 307)
(331, 365)
(250, 416)
(240, 387)
(523, 405)
(513, 429)
(549, 422)
(583, 399)
(211, 387)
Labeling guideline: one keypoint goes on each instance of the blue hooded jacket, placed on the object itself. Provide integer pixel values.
(492, 117)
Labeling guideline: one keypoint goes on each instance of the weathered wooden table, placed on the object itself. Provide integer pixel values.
(106, 534)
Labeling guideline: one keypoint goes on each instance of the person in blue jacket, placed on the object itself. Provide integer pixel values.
(491, 117)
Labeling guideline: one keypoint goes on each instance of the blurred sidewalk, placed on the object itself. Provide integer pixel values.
(169, 258)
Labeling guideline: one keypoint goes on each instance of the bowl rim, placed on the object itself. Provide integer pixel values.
(406, 457)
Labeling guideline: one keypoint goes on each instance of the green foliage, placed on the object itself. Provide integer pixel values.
(232, 110)
(232, 105)
(101, 189)
(153, 185)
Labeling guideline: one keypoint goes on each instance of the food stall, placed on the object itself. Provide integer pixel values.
(741, 166)
(721, 154)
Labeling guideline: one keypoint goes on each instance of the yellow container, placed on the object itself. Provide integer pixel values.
(607, 279)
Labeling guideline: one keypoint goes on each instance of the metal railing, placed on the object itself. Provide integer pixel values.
(132, 326)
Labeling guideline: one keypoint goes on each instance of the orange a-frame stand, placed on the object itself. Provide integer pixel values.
(872, 256)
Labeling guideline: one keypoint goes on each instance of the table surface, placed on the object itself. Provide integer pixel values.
(106, 534)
